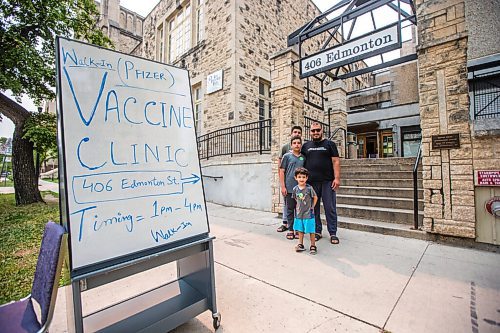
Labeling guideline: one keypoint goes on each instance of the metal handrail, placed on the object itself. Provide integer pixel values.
(415, 187)
(254, 137)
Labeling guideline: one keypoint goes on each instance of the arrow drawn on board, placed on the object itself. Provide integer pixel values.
(191, 180)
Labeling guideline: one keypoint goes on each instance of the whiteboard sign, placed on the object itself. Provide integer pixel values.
(132, 179)
(214, 81)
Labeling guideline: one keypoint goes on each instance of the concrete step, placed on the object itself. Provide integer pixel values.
(393, 192)
(379, 167)
(377, 182)
(378, 201)
(392, 215)
(384, 161)
(394, 229)
(369, 174)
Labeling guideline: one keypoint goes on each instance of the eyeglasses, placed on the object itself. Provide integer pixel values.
(316, 130)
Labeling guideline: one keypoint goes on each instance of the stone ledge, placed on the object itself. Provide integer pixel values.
(486, 127)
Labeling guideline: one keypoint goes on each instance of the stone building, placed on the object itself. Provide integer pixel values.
(232, 40)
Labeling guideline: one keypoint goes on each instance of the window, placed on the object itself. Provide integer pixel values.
(410, 141)
(200, 27)
(264, 100)
(183, 29)
(485, 91)
(179, 33)
(264, 112)
(197, 96)
(159, 44)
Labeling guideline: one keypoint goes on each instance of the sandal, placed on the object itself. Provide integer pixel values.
(290, 235)
(317, 237)
(334, 239)
(296, 235)
(282, 228)
(313, 249)
(300, 248)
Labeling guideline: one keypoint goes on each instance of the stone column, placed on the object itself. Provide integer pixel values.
(287, 98)
(336, 105)
(444, 109)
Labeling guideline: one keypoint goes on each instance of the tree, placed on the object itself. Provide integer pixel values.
(41, 130)
(27, 66)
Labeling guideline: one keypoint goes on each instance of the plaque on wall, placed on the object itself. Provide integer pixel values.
(446, 141)
(488, 178)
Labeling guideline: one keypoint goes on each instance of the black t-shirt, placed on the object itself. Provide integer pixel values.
(319, 159)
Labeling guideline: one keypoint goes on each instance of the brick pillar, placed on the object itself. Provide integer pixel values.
(287, 98)
(336, 105)
(444, 109)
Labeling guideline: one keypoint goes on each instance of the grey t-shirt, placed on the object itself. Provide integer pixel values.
(290, 162)
(285, 149)
(304, 198)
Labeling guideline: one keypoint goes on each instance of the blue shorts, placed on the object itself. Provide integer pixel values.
(307, 226)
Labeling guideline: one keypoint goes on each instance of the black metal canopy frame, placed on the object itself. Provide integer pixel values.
(337, 32)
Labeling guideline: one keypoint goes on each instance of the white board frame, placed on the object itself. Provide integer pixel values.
(187, 172)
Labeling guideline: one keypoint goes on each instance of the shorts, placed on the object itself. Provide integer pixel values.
(307, 226)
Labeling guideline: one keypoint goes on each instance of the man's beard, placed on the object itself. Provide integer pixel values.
(318, 139)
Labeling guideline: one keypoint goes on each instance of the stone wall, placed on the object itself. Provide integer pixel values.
(482, 19)
(444, 109)
(404, 84)
(262, 30)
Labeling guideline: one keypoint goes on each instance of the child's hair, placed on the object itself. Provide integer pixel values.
(295, 138)
(301, 171)
(296, 127)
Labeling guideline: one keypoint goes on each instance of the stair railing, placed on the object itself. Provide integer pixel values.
(415, 187)
(345, 138)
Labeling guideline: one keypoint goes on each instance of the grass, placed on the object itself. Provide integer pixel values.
(8, 183)
(21, 230)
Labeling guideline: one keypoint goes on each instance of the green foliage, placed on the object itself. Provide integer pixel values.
(21, 229)
(27, 41)
(41, 129)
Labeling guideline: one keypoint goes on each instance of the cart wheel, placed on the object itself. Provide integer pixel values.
(216, 321)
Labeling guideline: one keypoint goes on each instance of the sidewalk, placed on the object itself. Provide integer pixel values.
(367, 283)
(43, 185)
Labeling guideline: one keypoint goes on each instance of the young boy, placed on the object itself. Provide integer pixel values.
(304, 221)
(289, 163)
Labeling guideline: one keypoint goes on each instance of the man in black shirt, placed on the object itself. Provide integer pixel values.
(323, 163)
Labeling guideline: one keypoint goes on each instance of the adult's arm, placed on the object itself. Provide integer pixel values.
(336, 173)
(281, 174)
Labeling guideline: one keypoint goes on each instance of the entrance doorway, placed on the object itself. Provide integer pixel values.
(367, 145)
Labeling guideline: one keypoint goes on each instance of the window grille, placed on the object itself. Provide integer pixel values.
(485, 90)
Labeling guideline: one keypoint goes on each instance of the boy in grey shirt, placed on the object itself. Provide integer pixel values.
(289, 163)
(306, 199)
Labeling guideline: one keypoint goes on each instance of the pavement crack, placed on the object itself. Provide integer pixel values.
(298, 295)
(406, 285)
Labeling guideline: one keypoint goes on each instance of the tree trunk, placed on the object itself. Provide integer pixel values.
(23, 167)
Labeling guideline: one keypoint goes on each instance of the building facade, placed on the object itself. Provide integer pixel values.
(241, 72)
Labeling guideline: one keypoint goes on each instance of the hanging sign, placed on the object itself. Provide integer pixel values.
(381, 41)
